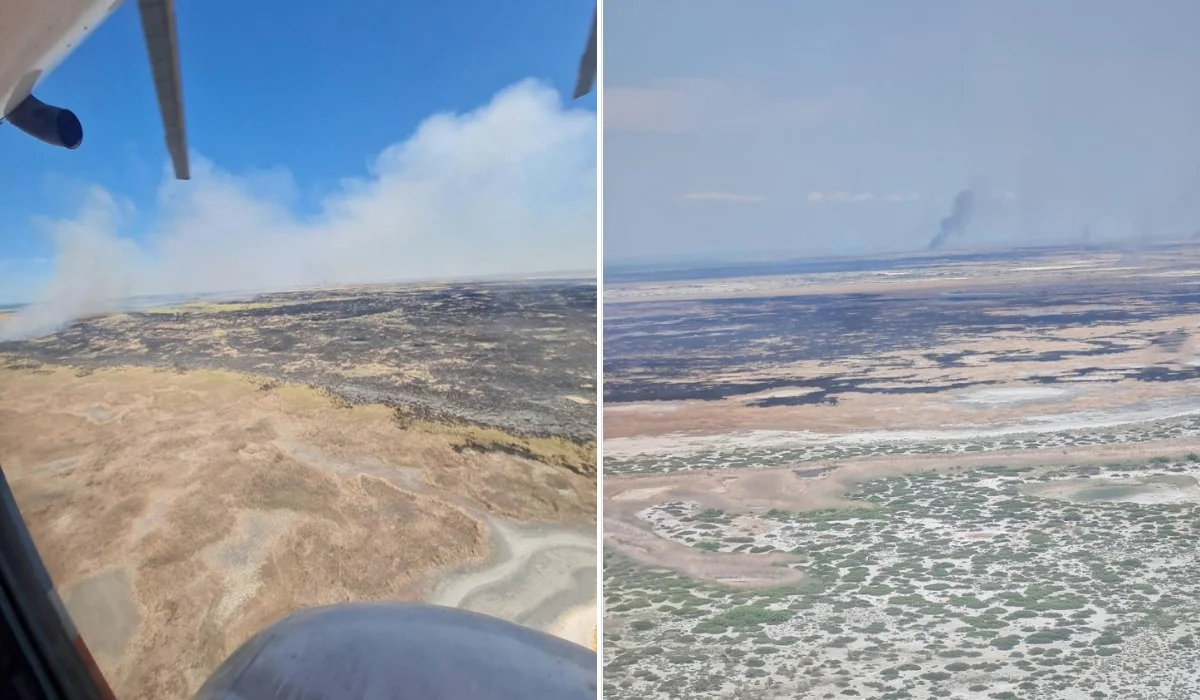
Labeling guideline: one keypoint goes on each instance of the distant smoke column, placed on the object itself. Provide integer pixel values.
(956, 223)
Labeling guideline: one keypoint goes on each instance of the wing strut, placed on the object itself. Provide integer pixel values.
(587, 64)
(158, 26)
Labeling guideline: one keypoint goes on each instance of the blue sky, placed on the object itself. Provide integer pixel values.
(298, 114)
(770, 127)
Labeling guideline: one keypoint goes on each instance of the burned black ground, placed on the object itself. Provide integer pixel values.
(672, 350)
(519, 356)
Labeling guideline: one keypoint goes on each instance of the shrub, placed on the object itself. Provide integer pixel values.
(1048, 636)
(747, 615)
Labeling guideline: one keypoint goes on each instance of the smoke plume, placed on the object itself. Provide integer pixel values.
(955, 224)
(509, 188)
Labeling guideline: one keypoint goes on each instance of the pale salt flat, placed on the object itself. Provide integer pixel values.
(1020, 394)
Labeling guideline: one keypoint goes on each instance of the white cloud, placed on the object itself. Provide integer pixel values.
(705, 104)
(507, 189)
(22, 263)
(817, 197)
(723, 197)
(842, 197)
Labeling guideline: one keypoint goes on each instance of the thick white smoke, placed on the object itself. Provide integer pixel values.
(507, 189)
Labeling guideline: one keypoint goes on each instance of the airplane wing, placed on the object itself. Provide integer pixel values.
(40, 35)
(587, 64)
(158, 26)
(60, 127)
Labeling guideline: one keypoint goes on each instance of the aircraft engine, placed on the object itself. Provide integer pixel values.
(53, 125)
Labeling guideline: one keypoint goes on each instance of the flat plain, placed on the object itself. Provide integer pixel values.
(191, 473)
(951, 475)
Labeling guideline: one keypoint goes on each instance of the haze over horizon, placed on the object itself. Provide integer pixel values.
(961, 248)
(837, 129)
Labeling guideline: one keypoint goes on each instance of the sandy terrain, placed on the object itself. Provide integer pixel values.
(625, 533)
(180, 512)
